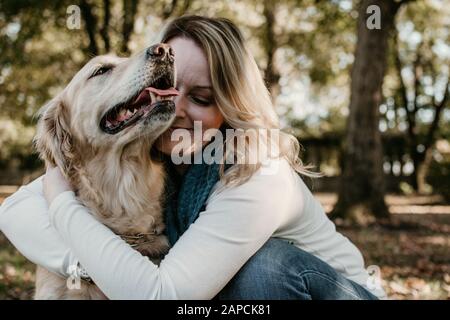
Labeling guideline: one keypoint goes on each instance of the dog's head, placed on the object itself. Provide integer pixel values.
(109, 103)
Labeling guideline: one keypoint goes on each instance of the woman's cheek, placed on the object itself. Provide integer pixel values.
(210, 117)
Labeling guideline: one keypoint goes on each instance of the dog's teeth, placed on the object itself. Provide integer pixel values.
(122, 112)
(128, 114)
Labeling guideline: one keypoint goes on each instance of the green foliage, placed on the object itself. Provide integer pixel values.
(38, 56)
(313, 43)
(16, 151)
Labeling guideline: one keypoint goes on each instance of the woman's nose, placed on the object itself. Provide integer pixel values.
(180, 106)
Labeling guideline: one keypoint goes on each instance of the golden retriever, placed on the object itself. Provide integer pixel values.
(99, 131)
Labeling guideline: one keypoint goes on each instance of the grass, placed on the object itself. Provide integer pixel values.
(16, 273)
(412, 250)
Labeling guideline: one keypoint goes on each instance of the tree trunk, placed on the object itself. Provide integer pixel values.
(174, 9)
(416, 159)
(105, 27)
(361, 196)
(270, 45)
(90, 24)
(422, 171)
(129, 13)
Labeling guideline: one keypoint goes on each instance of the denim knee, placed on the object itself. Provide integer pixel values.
(268, 274)
(280, 270)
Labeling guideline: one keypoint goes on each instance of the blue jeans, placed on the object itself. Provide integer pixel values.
(280, 270)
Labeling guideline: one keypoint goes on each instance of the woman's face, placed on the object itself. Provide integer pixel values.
(196, 99)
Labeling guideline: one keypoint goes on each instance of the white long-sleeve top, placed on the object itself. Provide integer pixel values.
(236, 223)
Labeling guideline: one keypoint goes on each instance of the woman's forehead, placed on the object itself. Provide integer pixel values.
(193, 79)
(191, 63)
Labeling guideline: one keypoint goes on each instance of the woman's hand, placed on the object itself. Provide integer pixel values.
(54, 183)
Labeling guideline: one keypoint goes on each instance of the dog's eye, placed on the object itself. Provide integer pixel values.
(100, 71)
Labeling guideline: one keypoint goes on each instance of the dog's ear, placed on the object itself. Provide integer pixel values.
(53, 140)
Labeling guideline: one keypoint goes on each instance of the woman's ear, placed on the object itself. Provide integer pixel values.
(53, 140)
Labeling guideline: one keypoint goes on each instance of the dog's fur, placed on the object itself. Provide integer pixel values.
(112, 174)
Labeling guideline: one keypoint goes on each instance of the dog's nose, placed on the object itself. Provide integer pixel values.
(161, 51)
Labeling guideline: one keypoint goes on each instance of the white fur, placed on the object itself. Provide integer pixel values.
(113, 175)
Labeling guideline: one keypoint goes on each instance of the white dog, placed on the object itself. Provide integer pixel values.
(99, 131)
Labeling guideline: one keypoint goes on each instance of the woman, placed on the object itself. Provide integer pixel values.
(236, 233)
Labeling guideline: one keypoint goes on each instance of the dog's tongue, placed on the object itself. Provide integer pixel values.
(164, 92)
(145, 94)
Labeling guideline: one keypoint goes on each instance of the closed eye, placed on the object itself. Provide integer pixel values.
(200, 101)
(101, 70)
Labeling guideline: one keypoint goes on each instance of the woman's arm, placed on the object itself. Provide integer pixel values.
(235, 224)
(25, 222)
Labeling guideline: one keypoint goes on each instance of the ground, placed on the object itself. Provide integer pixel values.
(412, 251)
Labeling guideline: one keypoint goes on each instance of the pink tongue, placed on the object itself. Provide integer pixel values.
(145, 94)
(165, 92)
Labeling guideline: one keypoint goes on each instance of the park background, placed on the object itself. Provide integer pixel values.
(369, 105)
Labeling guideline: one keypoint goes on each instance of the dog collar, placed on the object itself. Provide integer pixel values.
(135, 240)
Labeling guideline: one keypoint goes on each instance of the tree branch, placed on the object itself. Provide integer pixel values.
(90, 25)
(417, 71)
(438, 108)
(186, 6)
(402, 3)
(129, 13)
(410, 114)
(105, 27)
(270, 44)
(168, 11)
(399, 67)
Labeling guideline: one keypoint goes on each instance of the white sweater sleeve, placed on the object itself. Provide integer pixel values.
(25, 222)
(235, 224)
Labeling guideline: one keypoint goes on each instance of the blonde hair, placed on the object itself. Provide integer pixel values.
(238, 86)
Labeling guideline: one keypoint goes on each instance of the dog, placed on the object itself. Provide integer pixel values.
(99, 131)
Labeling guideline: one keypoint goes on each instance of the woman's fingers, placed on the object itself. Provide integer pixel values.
(54, 183)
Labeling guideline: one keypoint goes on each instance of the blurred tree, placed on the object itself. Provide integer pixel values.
(361, 196)
(90, 23)
(304, 48)
(105, 26)
(129, 10)
(421, 150)
(427, 91)
(50, 53)
(270, 42)
(40, 53)
(129, 15)
(36, 55)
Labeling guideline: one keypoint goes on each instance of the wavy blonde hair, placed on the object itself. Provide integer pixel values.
(238, 86)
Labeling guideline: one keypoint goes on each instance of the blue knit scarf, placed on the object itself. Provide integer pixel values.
(185, 196)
